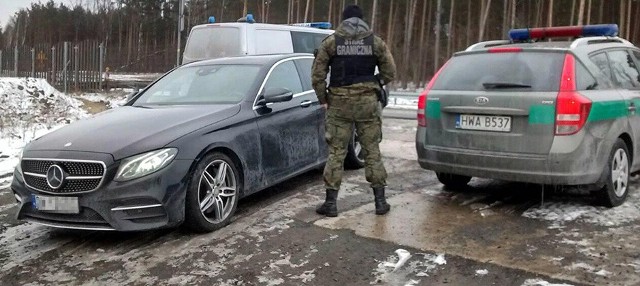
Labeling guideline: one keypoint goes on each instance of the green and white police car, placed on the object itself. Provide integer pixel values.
(560, 112)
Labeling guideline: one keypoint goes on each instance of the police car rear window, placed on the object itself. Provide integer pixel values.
(213, 42)
(526, 71)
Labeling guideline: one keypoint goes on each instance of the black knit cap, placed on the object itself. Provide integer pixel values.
(352, 11)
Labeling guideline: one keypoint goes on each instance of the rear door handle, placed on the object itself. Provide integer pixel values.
(632, 107)
(306, 103)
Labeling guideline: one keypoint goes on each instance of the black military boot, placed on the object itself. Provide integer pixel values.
(382, 207)
(329, 208)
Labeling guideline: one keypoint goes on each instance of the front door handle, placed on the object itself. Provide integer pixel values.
(306, 103)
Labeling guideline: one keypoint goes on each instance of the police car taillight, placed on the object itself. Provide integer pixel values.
(422, 104)
(572, 109)
(422, 99)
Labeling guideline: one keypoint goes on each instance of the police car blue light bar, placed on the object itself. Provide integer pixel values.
(610, 30)
(319, 25)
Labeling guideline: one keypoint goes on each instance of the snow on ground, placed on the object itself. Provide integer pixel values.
(110, 101)
(30, 108)
(403, 102)
(560, 212)
(403, 268)
(540, 282)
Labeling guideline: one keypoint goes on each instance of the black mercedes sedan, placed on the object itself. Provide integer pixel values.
(183, 150)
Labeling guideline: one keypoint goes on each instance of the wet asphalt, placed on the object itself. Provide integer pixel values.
(491, 233)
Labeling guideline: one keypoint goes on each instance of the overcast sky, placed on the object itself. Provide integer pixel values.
(9, 7)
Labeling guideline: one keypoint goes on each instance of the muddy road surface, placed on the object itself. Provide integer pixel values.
(491, 233)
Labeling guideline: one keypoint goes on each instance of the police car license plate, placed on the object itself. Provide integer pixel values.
(67, 205)
(483, 122)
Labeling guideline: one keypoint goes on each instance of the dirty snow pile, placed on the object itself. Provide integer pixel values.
(560, 213)
(30, 108)
(393, 271)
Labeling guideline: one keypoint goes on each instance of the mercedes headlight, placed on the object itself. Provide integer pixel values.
(145, 164)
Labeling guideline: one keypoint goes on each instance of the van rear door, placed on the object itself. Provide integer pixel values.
(213, 41)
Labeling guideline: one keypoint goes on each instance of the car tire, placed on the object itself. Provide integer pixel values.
(213, 193)
(616, 172)
(355, 154)
(452, 181)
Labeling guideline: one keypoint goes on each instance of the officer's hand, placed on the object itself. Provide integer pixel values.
(325, 106)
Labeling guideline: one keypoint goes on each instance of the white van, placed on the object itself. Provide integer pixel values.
(217, 40)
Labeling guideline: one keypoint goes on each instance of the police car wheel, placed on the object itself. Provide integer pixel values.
(213, 193)
(616, 187)
(453, 182)
(355, 154)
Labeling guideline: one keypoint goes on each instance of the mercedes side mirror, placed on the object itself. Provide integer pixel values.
(277, 94)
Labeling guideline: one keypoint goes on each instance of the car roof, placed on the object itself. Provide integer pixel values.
(541, 45)
(582, 44)
(249, 59)
(281, 27)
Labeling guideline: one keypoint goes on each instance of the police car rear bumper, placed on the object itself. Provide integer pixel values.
(571, 168)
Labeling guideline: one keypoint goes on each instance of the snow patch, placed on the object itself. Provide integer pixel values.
(403, 256)
(398, 270)
(30, 108)
(412, 282)
(482, 272)
(540, 282)
(559, 213)
(589, 268)
(440, 260)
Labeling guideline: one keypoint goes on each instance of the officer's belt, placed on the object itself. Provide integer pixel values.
(352, 81)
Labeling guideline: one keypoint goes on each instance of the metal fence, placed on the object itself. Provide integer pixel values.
(67, 66)
(75, 66)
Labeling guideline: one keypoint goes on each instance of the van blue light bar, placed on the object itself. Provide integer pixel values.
(247, 19)
(319, 25)
(610, 30)
(212, 20)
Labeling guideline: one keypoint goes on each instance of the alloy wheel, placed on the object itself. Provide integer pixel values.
(217, 191)
(620, 172)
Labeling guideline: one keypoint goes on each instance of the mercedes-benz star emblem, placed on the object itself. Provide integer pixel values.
(55, 177)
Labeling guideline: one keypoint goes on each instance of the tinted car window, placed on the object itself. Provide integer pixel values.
(213, 84)
(584, 79)
(304, 66)
(306, 42)
(285, 75)
(272, 41)
(205, 43)
(624, 70)
(602, 62)
(637, 56)
(470, 72)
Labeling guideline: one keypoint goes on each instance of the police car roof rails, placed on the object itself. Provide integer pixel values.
(599, 40)
(487, 44)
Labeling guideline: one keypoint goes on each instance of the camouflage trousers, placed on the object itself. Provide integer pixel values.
(345, 112)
